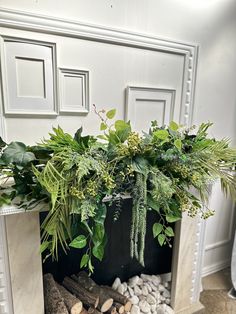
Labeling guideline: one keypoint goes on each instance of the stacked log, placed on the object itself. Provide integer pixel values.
(54, 303)
(79, 294)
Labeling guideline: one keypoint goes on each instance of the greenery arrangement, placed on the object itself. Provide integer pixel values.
(73, 175)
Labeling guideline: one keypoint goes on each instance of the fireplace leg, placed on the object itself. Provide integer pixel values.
(23, 241)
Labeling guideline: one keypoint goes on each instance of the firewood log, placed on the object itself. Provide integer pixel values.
(84, 311)
(54, 303)
(117, 297)
(112, 310)
(119, 307)
(92, 310)
(73, 304)
(88, 298)
(105, 301)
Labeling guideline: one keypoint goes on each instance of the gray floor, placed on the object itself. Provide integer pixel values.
(215, 294)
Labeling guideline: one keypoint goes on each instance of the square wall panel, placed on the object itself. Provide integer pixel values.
(145, 104)
(74, 91)
(29, 82)
(26, 68)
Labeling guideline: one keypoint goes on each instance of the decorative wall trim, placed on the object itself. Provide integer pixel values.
(25, 50)
(81, 103)
(50, 25)
(136, 94)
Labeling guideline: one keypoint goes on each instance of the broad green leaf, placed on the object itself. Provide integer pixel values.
(2, 143)
(153, 204)
(174, 126)
(157, 229)
(140, 164)
(103, 126)
(77, 135)
(98, 234)
(121, 125)
(98, 251)
(178, 144)
(161, 134)
(16, 152)
(101, 213)
(79, 242)
(111, 113)
(169, 232)
(84, 260)
(172, 218)
(161, 239)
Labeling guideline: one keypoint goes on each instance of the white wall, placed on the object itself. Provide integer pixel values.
(209, 23)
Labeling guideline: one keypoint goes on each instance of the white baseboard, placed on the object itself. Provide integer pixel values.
(211, 269)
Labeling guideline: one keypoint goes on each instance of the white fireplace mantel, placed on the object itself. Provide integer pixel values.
(21, 287)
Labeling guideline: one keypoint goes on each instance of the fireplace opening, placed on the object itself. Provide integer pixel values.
(119, 283)
(117, 261)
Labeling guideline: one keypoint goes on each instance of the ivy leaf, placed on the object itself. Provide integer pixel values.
(101, 213)
(161, 134)
(172, 218)
(174, 126)
(84, 260)
(79, 242)
(16, 152)
(161, 239)
(111, 113)
(157, 229)
(121, 125)
(103, 126)
(153, 204)
(178, 144)
(140, 164)
(98, 234)
(98, 251)
(169, 232)
(2, 143)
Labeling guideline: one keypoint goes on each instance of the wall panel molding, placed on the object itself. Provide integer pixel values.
(74, 96)
(50, 25)
(154, 101)
(28, 76)
(229, 236)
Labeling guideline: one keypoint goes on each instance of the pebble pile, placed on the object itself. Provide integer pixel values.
(148, 294)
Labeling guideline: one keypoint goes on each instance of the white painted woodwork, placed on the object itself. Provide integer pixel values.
(28, 77)
(126, 65)
(73, 91)
(219, 241)
(144, 105)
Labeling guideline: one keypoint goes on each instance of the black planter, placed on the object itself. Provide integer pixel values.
(117, 261)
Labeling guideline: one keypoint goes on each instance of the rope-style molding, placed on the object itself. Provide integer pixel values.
(56, 26)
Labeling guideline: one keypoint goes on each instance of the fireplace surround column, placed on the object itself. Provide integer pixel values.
(25, 268)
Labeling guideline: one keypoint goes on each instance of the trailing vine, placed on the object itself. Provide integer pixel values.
(74, 175)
